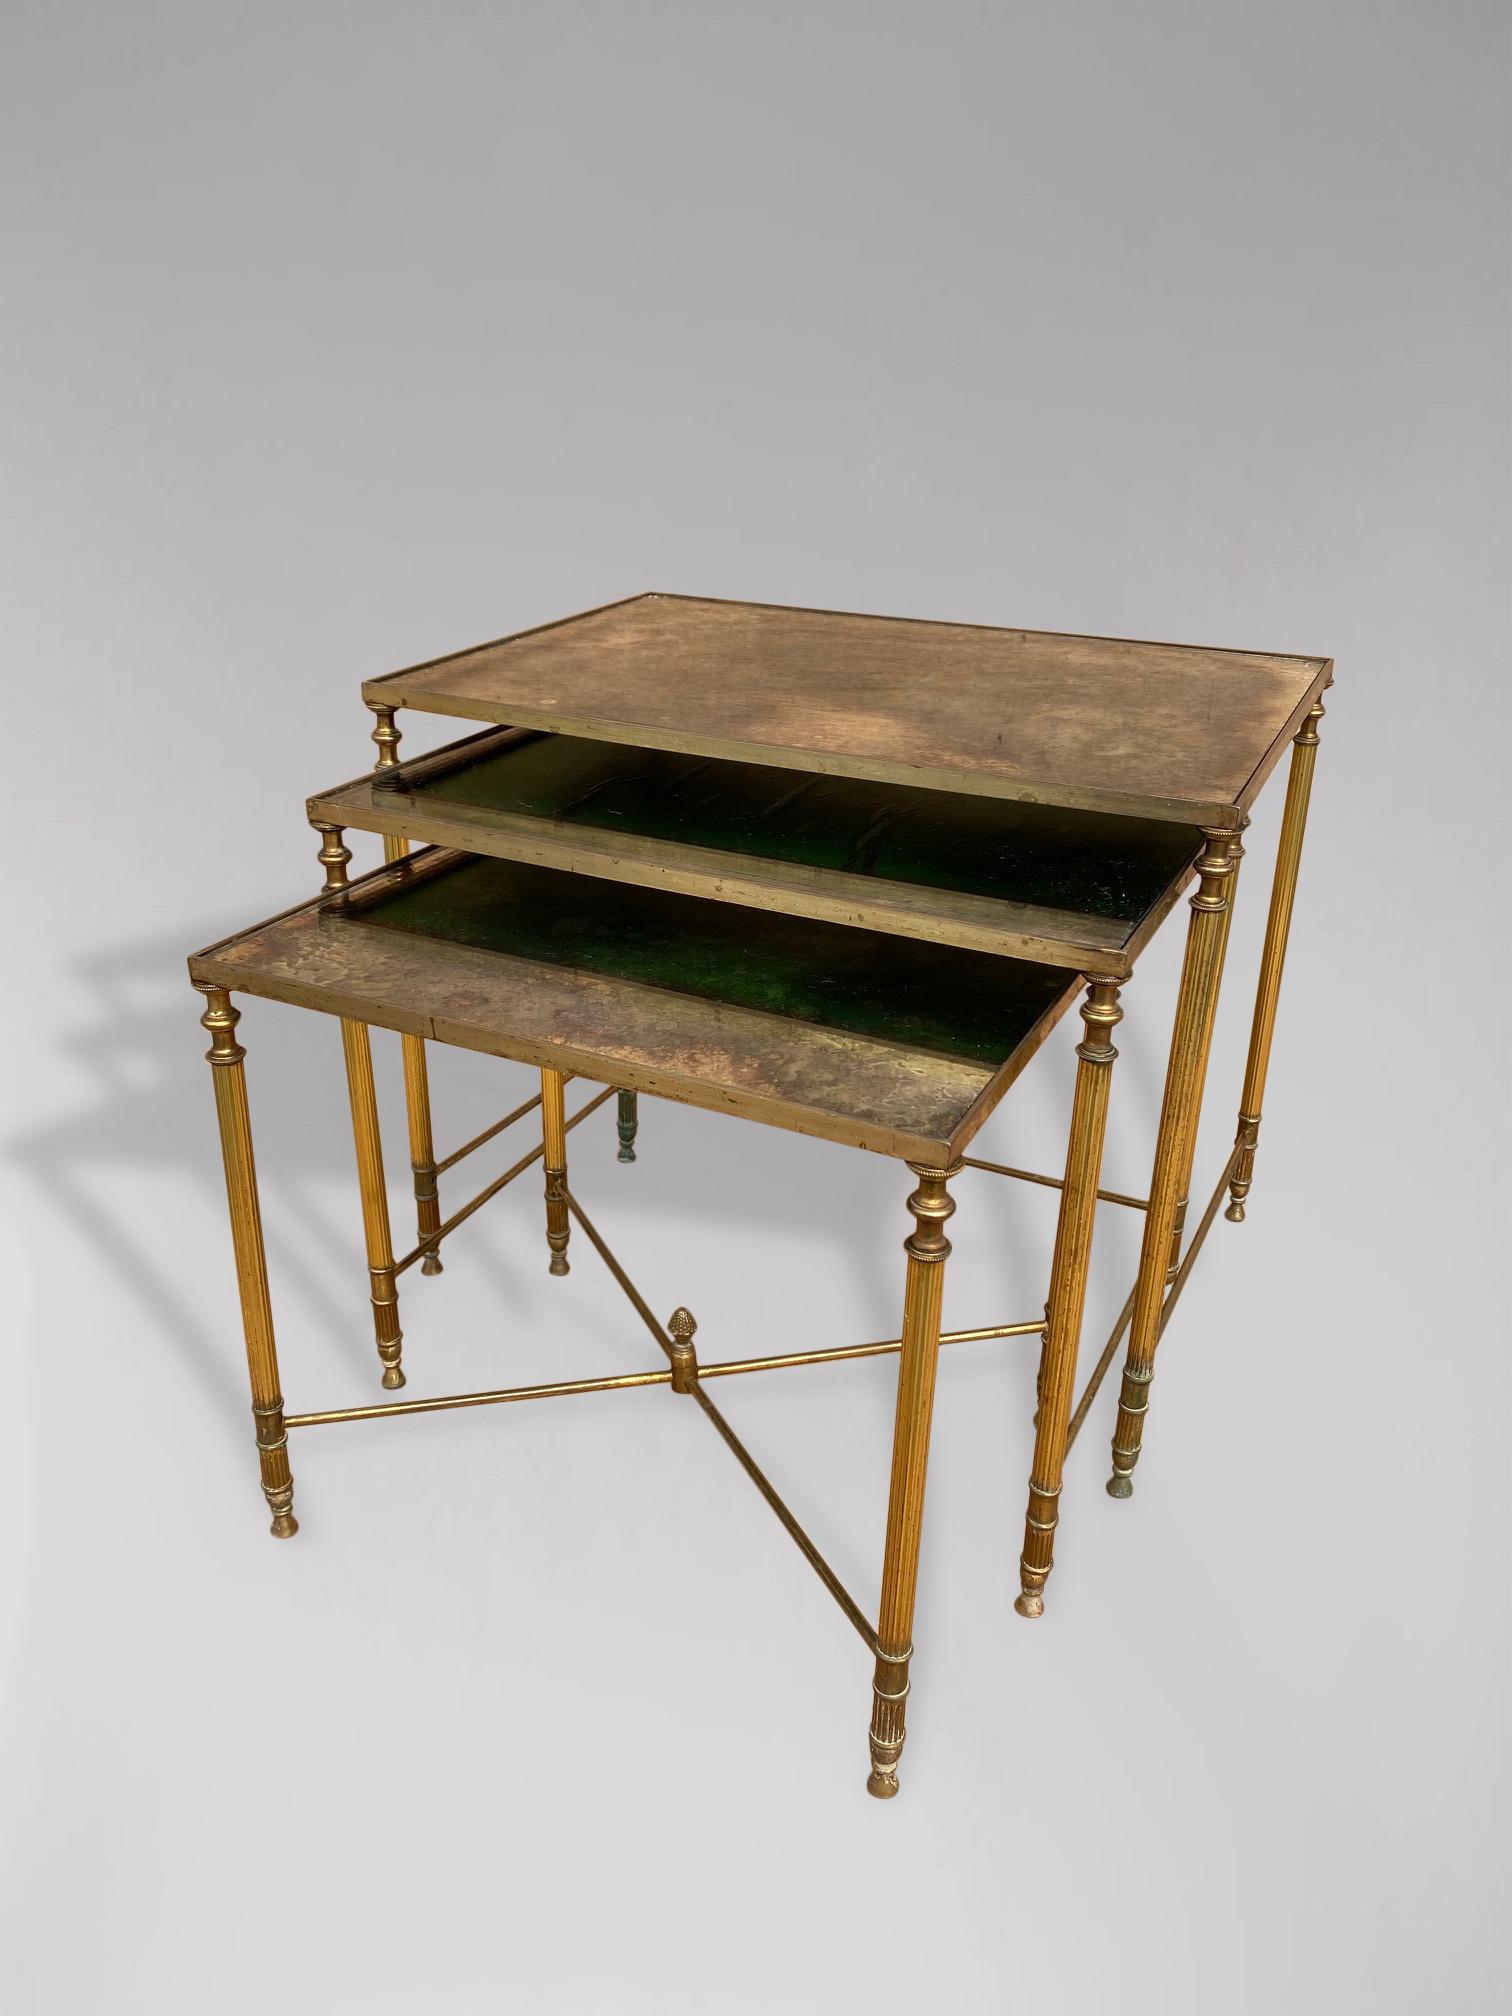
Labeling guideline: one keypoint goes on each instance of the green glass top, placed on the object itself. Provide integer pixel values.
(961, 1004)
(1093, 864)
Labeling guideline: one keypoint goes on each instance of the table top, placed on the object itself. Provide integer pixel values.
(1161, 731)
(1079, 889)
(860, 1038)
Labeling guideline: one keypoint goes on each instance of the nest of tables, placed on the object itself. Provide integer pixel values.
(836, 874)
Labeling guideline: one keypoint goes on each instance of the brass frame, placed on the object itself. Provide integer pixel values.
(382, 802)
(598, 681)
(940, 1129)
(917, 1347)
(721, 1368)
(1167, 1255)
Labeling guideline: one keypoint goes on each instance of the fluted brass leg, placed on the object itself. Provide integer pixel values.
(1068, 1288)
(375, 1212)
(927, 1249)
(422, 1149)
(1273, 958)
(1189, 1153)
(629, 1120)
(554, 1132)
(1180, 1108)
(416, 1076)
(225, 1055)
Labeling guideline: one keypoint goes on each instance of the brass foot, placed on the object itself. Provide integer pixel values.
(1030, 1603)
(431, 1264)
(629, 1120)
(887, 1708)
(560, 1264)
(1244, 1170)
(1120, 1486)
(393, 1377)
(284, 1526)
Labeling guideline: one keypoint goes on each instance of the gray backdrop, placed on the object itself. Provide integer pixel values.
(342, 336)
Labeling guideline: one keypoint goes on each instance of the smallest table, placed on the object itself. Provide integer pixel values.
(625, 881)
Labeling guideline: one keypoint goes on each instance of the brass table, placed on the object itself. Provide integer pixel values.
(840, 874)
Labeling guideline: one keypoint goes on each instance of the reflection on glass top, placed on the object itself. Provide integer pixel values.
(1091, 864)
(961, 1004)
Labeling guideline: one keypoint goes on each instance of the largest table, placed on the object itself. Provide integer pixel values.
(837, 874)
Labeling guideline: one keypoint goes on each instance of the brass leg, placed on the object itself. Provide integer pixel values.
(1178, 1121)
(422, 1148)
(1273, 959)
(1068, 1288)
(554, 1130)
(416, 1077)
(927, 1249)
(225, 1055)
(1178, 1227)
(375, 1212)
(629, 1120)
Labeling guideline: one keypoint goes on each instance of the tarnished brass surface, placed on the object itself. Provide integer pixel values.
(859, 1091)
(1273, 958)
(1125, 874)
(1068, 1289)
(929, 997)
(1106, 724)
